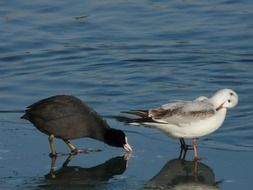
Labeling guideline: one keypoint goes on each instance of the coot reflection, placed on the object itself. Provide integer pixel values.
(69, 177)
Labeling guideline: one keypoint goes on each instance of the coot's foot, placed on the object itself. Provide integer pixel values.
(85, 150)
(58, 154)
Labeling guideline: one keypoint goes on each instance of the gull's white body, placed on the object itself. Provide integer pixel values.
(189, 119)
(193, 129)
(192, 119)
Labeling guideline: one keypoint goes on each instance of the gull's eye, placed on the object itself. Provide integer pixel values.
(231, 94)
(229, 101)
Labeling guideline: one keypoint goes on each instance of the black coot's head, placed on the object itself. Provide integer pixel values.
(117, 138)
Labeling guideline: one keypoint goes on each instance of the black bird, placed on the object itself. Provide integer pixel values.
(67, 117)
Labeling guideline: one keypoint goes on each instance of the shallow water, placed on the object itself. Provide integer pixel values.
(121, 55)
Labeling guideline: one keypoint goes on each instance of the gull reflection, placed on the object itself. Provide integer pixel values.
(68, 177)
(181, 175)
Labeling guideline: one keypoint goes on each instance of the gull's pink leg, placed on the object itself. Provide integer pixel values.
(194, 143)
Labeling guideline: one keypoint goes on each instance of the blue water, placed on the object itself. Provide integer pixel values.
(122, 55)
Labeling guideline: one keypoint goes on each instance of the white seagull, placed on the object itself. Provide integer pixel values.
(189, 119)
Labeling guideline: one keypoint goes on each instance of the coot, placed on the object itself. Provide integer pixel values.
(67, 117)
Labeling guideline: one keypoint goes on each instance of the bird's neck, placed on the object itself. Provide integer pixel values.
(100, 131)
(221, 114)
(109, 136)
(214, 102)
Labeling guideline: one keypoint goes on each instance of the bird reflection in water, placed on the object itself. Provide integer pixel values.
(182, 174)
(75, 176)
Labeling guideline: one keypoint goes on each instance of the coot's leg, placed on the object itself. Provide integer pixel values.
(52, 174)
(70, 157)
(52, 146)
(71, 146)
(52, 168)
(75, 150)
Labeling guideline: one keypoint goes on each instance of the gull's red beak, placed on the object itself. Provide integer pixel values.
(220, 107)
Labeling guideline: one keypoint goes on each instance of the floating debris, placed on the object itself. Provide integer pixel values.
(80, 17)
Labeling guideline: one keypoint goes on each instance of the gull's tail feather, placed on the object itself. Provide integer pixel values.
(134, 121)
(143, 118)
(124, 119)
(140, 113)
(141, 121)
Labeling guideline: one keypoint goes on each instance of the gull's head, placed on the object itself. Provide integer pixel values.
(225, 98)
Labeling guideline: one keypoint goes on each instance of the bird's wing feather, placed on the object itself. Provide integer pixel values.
(55, 107)
(182, 112)
(61, 106)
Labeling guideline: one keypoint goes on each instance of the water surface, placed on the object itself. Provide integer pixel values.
(121, 55)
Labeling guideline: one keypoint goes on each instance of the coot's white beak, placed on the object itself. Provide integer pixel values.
(127, 147)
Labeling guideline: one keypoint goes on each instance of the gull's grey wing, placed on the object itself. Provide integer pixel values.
(182, 112)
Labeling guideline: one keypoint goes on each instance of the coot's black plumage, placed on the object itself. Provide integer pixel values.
(67, 117)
